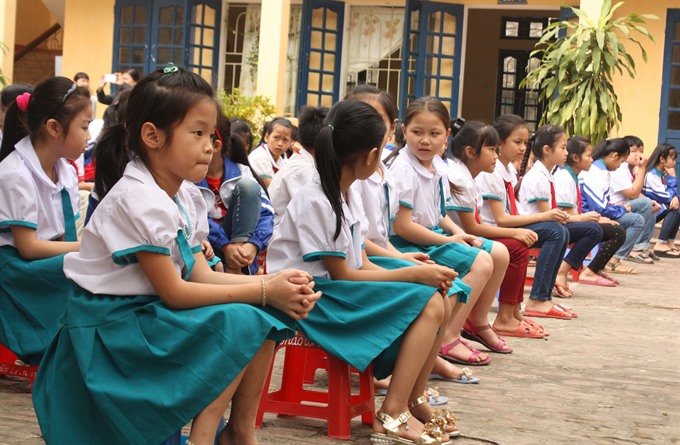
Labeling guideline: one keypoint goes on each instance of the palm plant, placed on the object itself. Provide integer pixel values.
(578, 63)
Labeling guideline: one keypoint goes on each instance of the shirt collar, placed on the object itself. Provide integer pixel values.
(507, 173)
(574, 176)
(438, 164)
(543, 169)
(305, 154)
(25, 149)
(600, 164)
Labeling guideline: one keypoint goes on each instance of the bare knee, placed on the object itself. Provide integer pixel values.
(435, 309)
(500, 256)
(483, 265)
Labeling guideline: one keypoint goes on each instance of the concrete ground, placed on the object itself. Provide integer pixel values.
(612, 376)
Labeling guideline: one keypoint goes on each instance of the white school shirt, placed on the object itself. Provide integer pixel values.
(262, 161)
(535, 187)
(136, 215)
(297, 172)
(620, 179)
(381, 203)
(469, 197)
(29, 198)
(305, 234)
(425, 193)
(492, 186)
(566, 183)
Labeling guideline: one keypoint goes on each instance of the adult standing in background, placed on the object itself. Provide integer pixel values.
(127, 79)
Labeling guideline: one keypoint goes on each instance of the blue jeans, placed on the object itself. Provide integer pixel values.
(553, 239)
(244, 211)
(670, 225)
(585, 236)
(634, 224)
(643, 206)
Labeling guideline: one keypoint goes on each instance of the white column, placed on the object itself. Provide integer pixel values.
(271, 66)
(8, 19)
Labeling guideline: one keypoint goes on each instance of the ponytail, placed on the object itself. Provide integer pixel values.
(525, 161)
(352, 129)
(14, 130)
(616, 145)
(112, 155)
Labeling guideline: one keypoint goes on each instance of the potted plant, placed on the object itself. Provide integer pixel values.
(578, 61)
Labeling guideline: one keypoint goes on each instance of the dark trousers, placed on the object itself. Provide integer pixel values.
(584, 236)
(613, 237)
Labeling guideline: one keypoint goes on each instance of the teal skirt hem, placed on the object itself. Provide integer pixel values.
(130, 370)
(363, 322)
(33, 296)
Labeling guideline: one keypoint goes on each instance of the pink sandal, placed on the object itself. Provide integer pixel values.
(471, 360)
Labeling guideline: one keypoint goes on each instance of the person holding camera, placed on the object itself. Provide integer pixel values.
(127, 79)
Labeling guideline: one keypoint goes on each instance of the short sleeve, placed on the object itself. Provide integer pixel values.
(405, 181)
(462, 199)
(139, 220)
(261, 164)
(620, 179)
(491, 185)
(18, 199)
(565, 189)
(315, 230)
(199, 215)
(537, 188)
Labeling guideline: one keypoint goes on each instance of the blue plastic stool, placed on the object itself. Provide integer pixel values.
(178, 439)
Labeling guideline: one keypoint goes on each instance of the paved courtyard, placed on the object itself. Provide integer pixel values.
(612, 376)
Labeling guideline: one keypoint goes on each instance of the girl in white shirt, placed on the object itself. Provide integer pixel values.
(422, 224)
(152, 336)
(270, 157)
(39, 204)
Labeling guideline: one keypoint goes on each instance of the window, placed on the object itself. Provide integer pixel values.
(523, 27)
(510, 99)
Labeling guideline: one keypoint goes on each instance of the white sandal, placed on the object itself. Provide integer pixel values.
(430, 436)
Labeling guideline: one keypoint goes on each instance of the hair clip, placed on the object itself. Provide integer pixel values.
(170, 68)
(22, 101)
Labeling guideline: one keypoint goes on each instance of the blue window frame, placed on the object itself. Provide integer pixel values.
(669, 122)
(320, 53)
(431, 51)
(151, 33)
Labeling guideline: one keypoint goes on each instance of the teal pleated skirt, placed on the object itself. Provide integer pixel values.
(457, 256)
(363, 321)
(33, 297)
(130, 370)
(459, 289)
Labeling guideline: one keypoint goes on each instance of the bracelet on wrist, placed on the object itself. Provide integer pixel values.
(263, 301)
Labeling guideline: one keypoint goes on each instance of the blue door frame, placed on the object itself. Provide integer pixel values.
(415, 52)
(670, 92)
(320, 55)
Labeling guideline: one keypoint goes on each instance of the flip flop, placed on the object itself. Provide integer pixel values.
(567, 309)
(554, 312)
(600, 281)
(641, 258)
(604, 275)
(444, 353)
(465, 379)
(435, 399)
(666, 253)
(471, 332)
(522, 331)
(627, 271)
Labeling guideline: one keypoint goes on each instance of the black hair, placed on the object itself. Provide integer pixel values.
(311, 119)
(369, 92)
(134, 74)
(161, 99)
(242, 129)
(616, 145)
(113, 113)
(633, 140)
(282, 121)
(10, 93)
(661, 151)
(56, 98)
(427, 103)
(506, 124)
(80, 75)
(545, 135)
(399, 141)
(352, 128)
(576, 146)
(473, 134)
(265, 130)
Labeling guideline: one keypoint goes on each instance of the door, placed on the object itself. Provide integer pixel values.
(669, 121)
(320, 53)
(510, 98)
(431, 51)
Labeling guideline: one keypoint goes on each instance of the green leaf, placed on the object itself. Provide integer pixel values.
(583, 16)
(613, 43)
(599, 35)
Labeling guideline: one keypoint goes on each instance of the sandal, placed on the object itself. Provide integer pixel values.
(620, 269)
(434, 398)
(523, 330)
(471, 360)
(441, 419)
(472, 332)
(653, 255)
(562, 291)
(431, 436)
(641, 258)
(604, 275)
(528, 321)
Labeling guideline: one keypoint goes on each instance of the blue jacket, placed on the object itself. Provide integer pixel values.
(265, 225)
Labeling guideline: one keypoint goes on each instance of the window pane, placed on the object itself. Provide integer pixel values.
(508, 81)
(140, 15)
(126, 16)
(312, 99)
(446, 68)
(207, 56)
(535, 30)
(179, 17)
(329, 62)
(316, 40)
(314, 83)
(510, 65)
(164, 55)
(326, 101)
(511, 29)
(675, 76)
(140, 36)
(676, 33)
(179, 36)
(449, 24)
(209, 37)
(449, 46)
(432, 65)
(165, 16)
(314, 60)
(123, 55)
(674, 120)
(165, 36)
(177, 56)
(125, 38)
(138, 55)
(674, 98)
(676, 54)
(330, 43)
(331, 19)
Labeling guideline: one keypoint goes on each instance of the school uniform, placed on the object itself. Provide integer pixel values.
(380, 205)
(469, 199)
(297, 172)
(622, 179)
(498, 186)
(133, 369)
(356, 321)
(658, 188)
(427, 195)
(568, 195)
(33, 293)
(262, 161)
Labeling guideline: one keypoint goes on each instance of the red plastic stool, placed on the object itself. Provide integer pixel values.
(7, 366)
(529, 280)
(338, 406)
